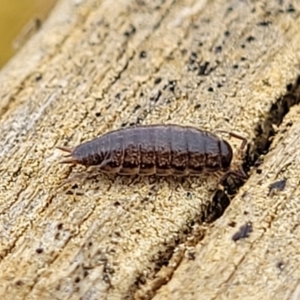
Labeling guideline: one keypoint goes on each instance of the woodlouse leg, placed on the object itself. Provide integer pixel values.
(81, 176)
(74, 178)
(240, 174)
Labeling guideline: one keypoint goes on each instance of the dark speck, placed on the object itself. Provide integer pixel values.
(291, 8)
(235, 66)
(39, 250)
(131, 30)
(210, 89)
(157, 80)
(60, 226)
(243, 232)
(250, 39)
(85, 273)
(184, 52)
(139, 120)
(218, 49)
(189, 194)
(258, 171)
(98, 114)
(232, 224)
(193, 57)
(264, 23)
(38, 77)
(203, 68)
(191, 255)
(137, 107)
(171, 85)
(19, 282)
(243, 58)
(245, 194)
(280, 265)
(77, 279)
(197, 106)
(276, 186)
(155, 97)
(143, 54)
(226, 33)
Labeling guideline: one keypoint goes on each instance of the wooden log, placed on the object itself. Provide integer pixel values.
(100, 65)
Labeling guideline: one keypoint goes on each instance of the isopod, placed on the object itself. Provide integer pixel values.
(157, 149)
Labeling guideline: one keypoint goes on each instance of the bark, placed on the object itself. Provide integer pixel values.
(96, 66)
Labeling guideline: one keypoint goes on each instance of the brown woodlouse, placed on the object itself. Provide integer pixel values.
(157, 149)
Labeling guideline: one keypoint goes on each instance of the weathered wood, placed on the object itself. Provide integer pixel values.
(266, 264)
(100, 65)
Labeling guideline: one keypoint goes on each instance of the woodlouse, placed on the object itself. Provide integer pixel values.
(157, 149)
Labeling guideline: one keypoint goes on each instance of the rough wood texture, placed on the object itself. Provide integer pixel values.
(100, 65)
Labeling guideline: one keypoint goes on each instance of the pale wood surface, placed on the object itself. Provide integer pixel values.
(100, 65)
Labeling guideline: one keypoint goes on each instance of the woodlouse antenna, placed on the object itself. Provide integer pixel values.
(66, 149)
(237, 136)
(240, 173)
(69, 160)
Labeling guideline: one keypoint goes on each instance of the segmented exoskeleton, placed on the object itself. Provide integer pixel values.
(157, 149)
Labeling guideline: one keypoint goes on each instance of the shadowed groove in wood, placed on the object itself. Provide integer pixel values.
(265, 132)
(265, 129)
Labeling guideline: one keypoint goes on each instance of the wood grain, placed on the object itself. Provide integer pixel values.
(100, 65)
